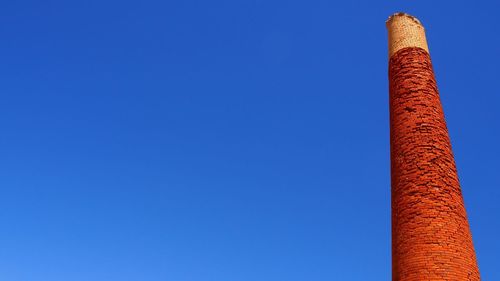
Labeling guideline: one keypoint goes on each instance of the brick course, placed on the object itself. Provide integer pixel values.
(431, 239)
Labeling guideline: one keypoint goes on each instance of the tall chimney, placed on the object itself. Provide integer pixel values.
(431, 239)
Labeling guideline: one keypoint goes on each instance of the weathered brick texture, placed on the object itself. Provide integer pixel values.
(431, 239)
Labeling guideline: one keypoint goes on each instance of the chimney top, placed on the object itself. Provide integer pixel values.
(402, 14)
(405, 31)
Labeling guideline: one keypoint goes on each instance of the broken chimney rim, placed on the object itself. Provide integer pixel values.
(403, 14)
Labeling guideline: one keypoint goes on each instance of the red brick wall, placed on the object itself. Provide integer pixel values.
(431, 239)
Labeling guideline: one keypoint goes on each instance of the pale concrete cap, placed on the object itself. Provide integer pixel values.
(405, 31)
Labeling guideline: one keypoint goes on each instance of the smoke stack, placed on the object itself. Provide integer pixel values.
(431, 238)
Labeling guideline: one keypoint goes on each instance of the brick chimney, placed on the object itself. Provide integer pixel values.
(431, 238)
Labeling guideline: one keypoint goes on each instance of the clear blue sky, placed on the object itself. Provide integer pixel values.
(225, 140)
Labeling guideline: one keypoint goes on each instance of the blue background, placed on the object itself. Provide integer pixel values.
(225, 140)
